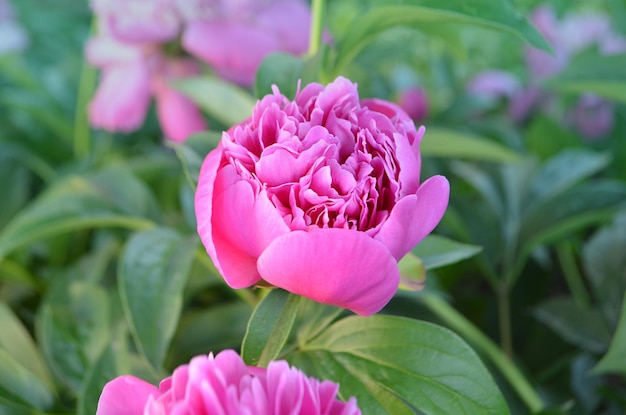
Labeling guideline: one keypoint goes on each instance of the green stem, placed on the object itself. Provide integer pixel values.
(315, 35)
(86, 86)
(504, 318)
(574, 279)
(457, 322)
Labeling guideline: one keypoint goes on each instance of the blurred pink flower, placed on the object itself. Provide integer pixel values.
(223, 384)
(178, 115)
(13, 37)
(320, 196)
(235, 37)
(414, 102)
(593, 116)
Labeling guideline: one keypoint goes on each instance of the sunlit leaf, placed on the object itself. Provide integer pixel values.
(437, 251)
(439, 142)
(614, 361)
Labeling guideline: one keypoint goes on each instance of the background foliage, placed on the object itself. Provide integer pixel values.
(102, 273)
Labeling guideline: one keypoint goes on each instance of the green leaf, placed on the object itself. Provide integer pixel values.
(564, 170)
(542, 127)
(594, 73)
(614, 361)
(412, 273)
(269, 327)
(580, 326)
(112, 197)
(113, 362)
(395, 365)
(18, 344)
(72, 328)
(282, 70)
(21, 386)
(437, 251)
(152, 274)
(440, 142)
(212, 329)
(605, 264)
(384, 14)
(571, 210)
(228, 103)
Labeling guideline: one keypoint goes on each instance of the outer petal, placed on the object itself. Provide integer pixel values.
(415, 216)
(234, 222)
(234, 49)
(125, 395)
(340, 267)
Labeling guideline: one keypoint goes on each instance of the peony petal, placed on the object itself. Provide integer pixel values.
(340, 267)
(234, 49)
(178, 115)
(415, 216)
(125, 395)
(203, 201)
(122, 98)
(243, 224)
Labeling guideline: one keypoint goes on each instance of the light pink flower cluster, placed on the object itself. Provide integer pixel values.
(320, 196)
(223, 384)
(140, 43)
(414, 101)
(13, 37)
(592, 116)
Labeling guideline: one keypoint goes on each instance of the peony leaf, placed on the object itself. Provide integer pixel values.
(21, 387)
(18, 344)
(591, 72)
(384, 14)
(399, 366)
(112, 197)
(437, 251)
(269, 327)
(152, 275)
(72, 328)
(228, 103)
(113, 362)
(605, 264)
(440, 142)
(192, 152)
(580, 326)
(282, 70)
(614, 361)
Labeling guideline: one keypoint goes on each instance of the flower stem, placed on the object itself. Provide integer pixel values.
(86, 86)
(315, 35)
(565, 252)
(504, 318)
(457, 322)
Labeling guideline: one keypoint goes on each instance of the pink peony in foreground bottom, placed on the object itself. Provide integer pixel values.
(320, 196)
(223, 384)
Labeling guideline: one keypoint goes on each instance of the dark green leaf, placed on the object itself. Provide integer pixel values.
(614, 361)
(152, 274)
(542, 127)
(564, 170)
(398, 366)
(228, 103)
(269, 327)
(604, 259)
(437, 251)
(580, 326)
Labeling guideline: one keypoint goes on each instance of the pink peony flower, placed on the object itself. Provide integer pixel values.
(235, 37)
(414, 102)
(320, 196)
(223, 384)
